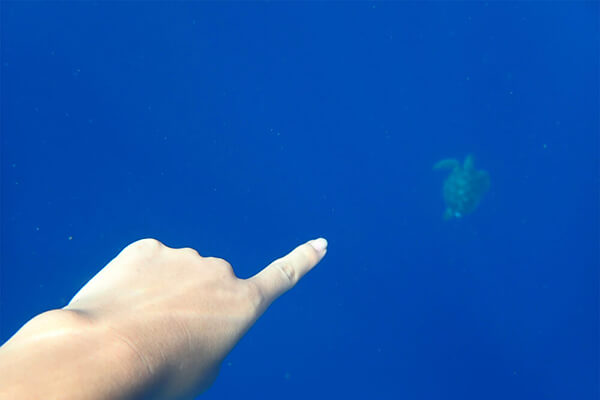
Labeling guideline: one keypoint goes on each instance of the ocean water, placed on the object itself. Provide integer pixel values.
(243, 129)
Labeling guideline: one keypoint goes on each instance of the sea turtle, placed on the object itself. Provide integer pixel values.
(464, 187)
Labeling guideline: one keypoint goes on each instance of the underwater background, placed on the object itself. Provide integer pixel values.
(245, 129)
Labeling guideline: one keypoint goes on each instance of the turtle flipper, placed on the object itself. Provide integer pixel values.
(447, 163)
(469, 163)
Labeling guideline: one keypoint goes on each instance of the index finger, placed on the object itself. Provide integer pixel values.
(282, 274)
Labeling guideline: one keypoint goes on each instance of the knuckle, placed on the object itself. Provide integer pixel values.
(150, 242)
(287, 271)
(222, 265)
(146, 245)
(189, 252)
(253, 297)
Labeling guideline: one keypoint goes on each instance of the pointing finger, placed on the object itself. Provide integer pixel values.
(282, 274)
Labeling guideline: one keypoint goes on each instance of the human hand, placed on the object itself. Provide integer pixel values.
(182, 313)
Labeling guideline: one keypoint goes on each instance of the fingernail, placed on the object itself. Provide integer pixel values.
(320, 245)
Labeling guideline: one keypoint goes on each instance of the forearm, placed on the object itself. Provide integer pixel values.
(64, 355)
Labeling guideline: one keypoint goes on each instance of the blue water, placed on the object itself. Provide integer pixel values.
(244, 129)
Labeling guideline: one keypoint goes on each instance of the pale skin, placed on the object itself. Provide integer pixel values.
(155, 323)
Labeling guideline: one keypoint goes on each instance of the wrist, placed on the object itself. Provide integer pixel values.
(68, 355)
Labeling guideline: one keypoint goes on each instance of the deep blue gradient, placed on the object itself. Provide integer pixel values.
(245, 129)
